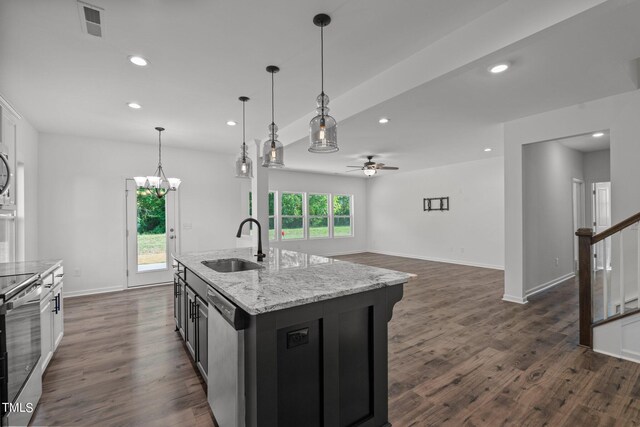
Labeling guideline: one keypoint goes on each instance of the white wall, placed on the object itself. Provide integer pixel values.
(27, 150)
(290, 181)
(620, 115)
(471, 232)
(597, 168)
(82, 204)
(548, 171)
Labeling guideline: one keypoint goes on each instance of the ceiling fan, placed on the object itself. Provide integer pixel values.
(370, 167)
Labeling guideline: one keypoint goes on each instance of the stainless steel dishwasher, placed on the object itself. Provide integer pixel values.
(226, 360)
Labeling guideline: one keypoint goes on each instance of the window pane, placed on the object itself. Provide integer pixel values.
(292, 228)
(152, 238)
(342, 226)
(319, 227)
(342, 205)
(272, 228)
(318, 204)
(272, 211)
(291, 204)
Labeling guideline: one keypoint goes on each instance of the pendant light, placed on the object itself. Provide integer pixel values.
(244, 166)
(273, 150)
(158, 182)
(323, 133)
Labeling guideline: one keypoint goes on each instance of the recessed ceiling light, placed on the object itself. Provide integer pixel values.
(499, 68)
(139, 61)
(598, 135)
(134, 105)
(383, 120)
(231, 123)
(488, 149)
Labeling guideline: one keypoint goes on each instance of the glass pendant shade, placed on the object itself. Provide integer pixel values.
(174, 183)
(273, 150)
(141, 181)
(244, 165)
(323, 131)
(370, 172)
(154, 181)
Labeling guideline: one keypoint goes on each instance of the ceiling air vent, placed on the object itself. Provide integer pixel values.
(91, 19)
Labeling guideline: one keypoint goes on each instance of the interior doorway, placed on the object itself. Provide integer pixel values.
(601, 208)
(151, 236)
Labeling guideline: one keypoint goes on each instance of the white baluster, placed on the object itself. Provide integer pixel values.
(622, 297)
(605, 281)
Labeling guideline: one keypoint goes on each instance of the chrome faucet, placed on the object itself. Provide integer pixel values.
(260, 255)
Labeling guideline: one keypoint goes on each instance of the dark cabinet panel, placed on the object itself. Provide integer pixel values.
(355, 365)
(300, 375)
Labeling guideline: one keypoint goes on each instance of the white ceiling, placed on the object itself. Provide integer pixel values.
(204, 55)
(587, 143)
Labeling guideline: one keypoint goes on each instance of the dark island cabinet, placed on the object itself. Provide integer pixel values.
(191, 312)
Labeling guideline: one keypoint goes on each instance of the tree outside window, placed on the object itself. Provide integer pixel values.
(342, 216)
(318, 215)
(292, 216)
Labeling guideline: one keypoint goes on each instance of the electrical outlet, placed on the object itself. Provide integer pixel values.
(557, 261)
(76, 272)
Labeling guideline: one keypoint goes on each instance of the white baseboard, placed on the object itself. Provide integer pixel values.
(83, 292)
(517, 300)
(550, 284)
(345, 253)
(443, 260)
(618, 356)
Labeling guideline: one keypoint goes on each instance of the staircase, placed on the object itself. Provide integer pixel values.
(609, 281)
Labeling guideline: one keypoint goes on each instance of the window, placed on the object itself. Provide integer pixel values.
(318, 205)
(151, 233)
(272, 216)
(292, 216)
(342, 216)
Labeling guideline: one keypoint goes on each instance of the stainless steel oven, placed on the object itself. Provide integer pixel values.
(19, 337)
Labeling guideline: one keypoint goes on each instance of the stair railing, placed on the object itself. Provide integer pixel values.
(590, 275)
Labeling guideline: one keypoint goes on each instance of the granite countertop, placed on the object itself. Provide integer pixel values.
(288, 278)
(28, 267)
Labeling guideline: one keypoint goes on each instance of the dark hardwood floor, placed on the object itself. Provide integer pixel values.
(458, 355)
(120, 363)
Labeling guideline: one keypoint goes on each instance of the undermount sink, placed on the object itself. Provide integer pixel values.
(231, 265)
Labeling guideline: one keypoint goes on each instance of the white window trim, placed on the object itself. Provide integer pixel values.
(303, 216)
(350, 216)
(276, 221)
(328, 216)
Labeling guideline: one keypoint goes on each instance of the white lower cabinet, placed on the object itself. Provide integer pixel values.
(51, 315)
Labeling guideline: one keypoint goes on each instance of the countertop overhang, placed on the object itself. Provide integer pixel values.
(288, 279)
(41, 267)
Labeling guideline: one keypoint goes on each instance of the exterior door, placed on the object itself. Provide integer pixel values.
(602, 221)
(151, 236)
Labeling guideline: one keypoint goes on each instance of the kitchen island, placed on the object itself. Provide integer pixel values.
(307, 335)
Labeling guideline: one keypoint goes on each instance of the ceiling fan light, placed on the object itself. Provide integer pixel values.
(370, 172)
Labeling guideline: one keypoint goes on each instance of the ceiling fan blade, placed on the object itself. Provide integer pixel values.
(359, 167)
(354, 170)
(389, 168)
(378, 165)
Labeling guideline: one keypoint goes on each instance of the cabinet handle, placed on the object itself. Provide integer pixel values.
(60, 275)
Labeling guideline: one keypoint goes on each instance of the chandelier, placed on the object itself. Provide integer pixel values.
(158, 183)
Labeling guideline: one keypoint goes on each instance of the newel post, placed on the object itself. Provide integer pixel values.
(584, 268)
